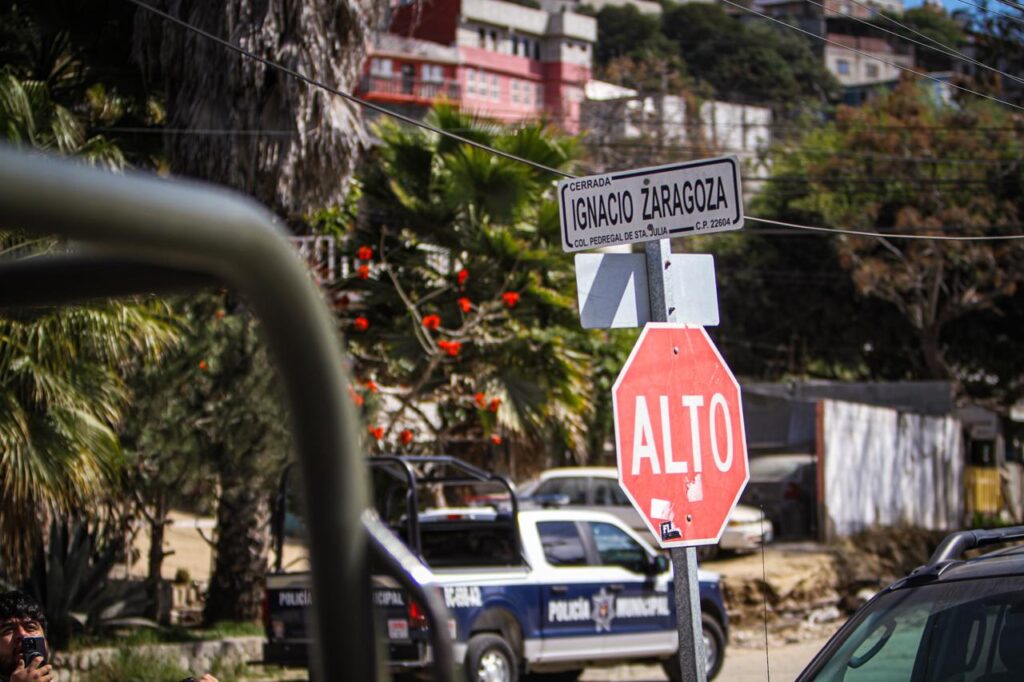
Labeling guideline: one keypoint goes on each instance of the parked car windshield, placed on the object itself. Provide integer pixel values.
(963, 630)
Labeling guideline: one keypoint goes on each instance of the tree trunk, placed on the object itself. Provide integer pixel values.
(931, 352)
(242, 551)
(158, 609)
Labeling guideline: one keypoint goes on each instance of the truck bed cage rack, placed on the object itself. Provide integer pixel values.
(412, 470)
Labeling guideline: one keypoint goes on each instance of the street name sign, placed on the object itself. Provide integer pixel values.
(613, 291)
(697, 197)
(679, 437)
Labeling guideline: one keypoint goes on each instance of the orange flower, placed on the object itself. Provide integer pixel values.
(363, 272)
(511, 298)
(219, 314)
(203, 366)
(356, 398)
(376, 431)
(480, 399)
(495, 439)
(406, 437)
(451, 347)
(431, 321)
(462, 277)
(465, 305)
(361, 324)
(371, 385)
(495, 404)
(364, 253)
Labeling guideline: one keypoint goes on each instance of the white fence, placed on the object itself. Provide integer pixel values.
(888, 468)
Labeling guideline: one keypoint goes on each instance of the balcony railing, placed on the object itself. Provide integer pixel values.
(414, 88)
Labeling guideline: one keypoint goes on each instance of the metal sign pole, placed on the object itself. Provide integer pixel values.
(690, 654)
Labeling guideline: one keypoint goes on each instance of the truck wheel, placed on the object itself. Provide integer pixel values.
(489, 658)
(714, 650)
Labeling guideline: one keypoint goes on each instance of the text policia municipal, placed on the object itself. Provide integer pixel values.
(653, 202)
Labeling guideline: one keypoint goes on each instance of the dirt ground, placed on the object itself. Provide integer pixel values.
(189, 539)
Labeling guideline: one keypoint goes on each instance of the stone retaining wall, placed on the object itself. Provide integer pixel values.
(199, 657)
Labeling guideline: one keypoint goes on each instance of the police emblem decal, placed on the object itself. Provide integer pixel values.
(604, 610)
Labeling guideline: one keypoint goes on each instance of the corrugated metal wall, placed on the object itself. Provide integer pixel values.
(883, 467)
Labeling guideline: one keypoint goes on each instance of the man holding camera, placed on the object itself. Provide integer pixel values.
(23, 651)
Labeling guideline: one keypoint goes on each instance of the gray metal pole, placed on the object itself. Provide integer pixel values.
(691, 655)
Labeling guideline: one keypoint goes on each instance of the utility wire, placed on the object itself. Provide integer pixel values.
(1015, 5)
(943, 49)
(993, 11)
(341, 93)
(420, 124)
(227, 132)
(835, 43)
(794, 149)
(894, 235)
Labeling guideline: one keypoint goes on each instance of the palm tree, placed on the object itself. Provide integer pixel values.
(468, 335)
(61, 386)
(310, 138)
(301, 161)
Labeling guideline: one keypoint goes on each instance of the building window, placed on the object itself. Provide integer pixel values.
(494, 40)
(539, 95)
(471, 81)
(842, 67)
(515, 45)
(872, 70)
(483, 38)
(431, 73)
(536, 50)
(495, 88)
(380, 67)
(514, 86)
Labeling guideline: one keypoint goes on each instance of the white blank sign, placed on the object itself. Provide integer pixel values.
(613, 293)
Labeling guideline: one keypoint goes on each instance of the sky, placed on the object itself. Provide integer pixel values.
(950, 5)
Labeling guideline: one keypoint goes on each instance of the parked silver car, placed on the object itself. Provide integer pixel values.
(598, 488)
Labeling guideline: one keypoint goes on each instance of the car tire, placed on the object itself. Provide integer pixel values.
(714, 649)
(489, 658)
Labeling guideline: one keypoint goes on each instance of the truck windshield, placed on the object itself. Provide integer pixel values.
(964, 630)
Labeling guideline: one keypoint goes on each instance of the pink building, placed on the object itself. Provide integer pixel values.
(497, 59)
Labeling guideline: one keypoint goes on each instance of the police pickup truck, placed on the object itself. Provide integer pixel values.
(539, 592)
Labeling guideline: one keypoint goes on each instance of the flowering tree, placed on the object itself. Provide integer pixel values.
(459, 309)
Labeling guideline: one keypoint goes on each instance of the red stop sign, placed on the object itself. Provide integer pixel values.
(682, 452)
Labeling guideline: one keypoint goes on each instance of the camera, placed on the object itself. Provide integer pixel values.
(33, 647)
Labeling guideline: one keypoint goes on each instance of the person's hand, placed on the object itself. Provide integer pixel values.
(36, 672)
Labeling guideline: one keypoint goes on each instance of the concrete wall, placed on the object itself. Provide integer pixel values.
(198, 657)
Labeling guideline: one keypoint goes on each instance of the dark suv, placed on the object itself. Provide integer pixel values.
(954, 619)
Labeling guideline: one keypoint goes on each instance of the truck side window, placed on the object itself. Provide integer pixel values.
(573, 488)
(562, 543)
(608, 492)
(616, 548)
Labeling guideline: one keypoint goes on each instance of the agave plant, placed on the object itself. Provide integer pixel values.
(71, 581)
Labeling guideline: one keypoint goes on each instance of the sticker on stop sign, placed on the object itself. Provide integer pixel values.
(681, 447)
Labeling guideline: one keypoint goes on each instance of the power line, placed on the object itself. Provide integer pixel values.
(341, 93)
(794, 149)
(195, 131)
(420, 124)
(993, 11)
(868, 55)
(951, 50)
(886, 235)
(943, 49)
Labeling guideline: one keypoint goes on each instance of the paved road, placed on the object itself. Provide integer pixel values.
(741, 665)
